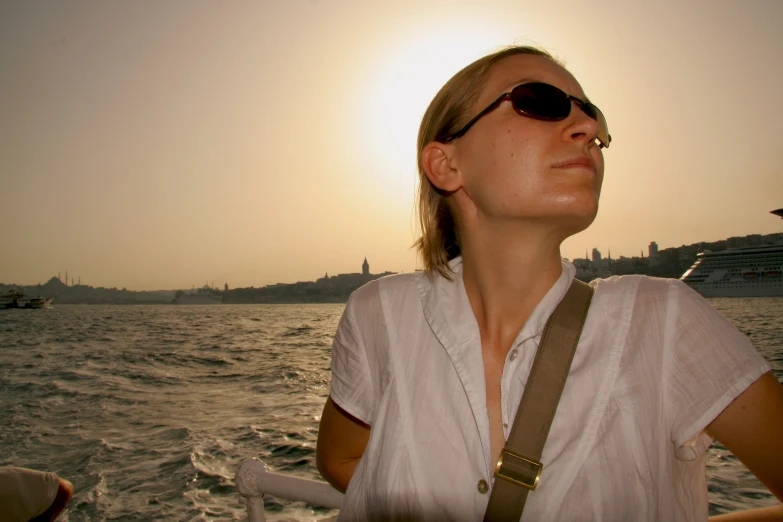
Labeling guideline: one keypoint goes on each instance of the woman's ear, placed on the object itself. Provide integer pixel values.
(438, 162)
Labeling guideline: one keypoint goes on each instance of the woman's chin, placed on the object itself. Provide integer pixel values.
(576, 218)
(580, 206)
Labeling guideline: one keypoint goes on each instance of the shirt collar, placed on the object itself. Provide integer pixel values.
(450, 316)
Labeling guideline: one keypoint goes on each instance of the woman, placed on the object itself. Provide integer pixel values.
(428, 368)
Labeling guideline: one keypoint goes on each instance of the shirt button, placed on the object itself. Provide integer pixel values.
(483, 487)
(514, 353)
(505, 425)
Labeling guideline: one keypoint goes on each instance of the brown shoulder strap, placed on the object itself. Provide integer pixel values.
(519, 468)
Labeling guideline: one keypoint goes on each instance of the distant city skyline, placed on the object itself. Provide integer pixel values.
(596, 257)
(572, 257)
(161, 145)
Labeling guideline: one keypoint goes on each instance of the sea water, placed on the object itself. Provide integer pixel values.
(149, 410)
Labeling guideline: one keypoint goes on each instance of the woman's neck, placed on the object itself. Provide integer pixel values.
(506, 274)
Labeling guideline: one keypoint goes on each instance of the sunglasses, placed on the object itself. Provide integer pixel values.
(545, 102)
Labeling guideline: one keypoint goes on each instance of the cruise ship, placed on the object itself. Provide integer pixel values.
(738, 272)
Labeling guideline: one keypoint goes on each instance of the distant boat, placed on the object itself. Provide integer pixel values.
(39, 302)
(16, 299)
(201, 296)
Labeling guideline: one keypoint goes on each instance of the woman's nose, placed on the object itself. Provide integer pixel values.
(580, 126)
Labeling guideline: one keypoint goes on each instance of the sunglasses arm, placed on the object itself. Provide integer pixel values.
(494, 105)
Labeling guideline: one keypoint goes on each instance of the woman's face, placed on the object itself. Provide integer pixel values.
(516, 167)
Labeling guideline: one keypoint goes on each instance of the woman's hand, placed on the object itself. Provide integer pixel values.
(341, 442)
(751, 428)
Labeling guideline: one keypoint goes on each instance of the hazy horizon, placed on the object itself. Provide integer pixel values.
(162, 145)
(71, 280)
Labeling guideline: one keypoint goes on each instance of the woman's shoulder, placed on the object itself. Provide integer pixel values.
(665, 301)
(387, 286)
(376, 301)
(645, 294)
(635, 284)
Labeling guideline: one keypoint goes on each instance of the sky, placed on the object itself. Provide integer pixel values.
(162, 145)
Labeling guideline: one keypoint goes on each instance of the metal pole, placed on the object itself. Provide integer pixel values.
(254, 479)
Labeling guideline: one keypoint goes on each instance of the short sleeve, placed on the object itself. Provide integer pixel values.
(707, 364)
(352, 388)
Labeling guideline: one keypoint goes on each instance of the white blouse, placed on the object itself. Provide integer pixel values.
(654, 366)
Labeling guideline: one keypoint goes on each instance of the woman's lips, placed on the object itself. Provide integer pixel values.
(576, 162)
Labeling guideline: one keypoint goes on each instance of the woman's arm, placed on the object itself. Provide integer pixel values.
(341, 442)
(751, 427)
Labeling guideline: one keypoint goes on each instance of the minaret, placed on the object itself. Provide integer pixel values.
(365, 267)
(66, 278)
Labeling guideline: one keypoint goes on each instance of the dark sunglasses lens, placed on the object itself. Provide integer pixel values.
(539, 100)
(546, 102)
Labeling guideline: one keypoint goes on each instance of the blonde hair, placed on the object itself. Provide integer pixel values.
(439, 242)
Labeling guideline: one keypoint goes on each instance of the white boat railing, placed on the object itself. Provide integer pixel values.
(254, 480)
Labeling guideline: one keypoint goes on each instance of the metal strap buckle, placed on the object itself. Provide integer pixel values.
(518, 470)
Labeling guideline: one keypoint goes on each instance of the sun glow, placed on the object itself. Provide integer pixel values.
(399, 85)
